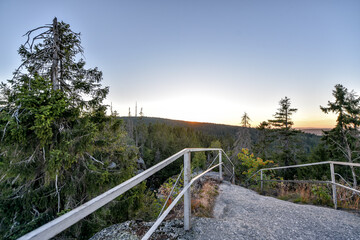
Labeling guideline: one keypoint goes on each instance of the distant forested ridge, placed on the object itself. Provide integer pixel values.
(206, 128)
(217, 130)
(159, 138)
(221, 131)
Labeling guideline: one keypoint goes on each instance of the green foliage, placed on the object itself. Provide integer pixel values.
(150, 207)
(199, 160)
(249, 164)
(346, 105)
(215, 144)
(319, 153)
(169, 184)
(283, 115)
(265, 139)
(58, 149)
(322, 195)
(245, 120)
(282, 125)
(343, 141)
(166, 188)
(159, 141)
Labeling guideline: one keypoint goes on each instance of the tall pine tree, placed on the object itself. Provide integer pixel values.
(263, 144)
(283, 126)
(245, 120)
(58, 149)
(344, 138)
(243, 136)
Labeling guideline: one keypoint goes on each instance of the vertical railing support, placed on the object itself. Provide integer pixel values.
(233, 179)
(187, 195)
(261, 179)
(333, 185)
(220, 166)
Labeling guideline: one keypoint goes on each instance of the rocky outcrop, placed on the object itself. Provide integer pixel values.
(134, 230)
(203, 194)
(240, 213)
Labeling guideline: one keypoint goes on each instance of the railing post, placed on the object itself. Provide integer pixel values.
(187, 195)
(220, 166)
(233, 179)
(261, 179)
(333, 184)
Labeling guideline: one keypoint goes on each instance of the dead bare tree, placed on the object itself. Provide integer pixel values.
(53, 57)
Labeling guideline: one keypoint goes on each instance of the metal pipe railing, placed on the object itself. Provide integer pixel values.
(63, 222)
(332, 173)
(172, 205)
(232, 178)
(232, 174)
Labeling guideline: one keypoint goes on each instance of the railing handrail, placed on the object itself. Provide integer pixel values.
(311, 164)
(174, 202)
(63, 222)
(232, 164)
(304, 165)
(332, 182)
(233, 167)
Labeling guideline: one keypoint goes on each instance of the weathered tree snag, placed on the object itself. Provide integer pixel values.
(55, 57)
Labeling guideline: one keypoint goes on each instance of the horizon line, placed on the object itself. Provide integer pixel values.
(228, 124)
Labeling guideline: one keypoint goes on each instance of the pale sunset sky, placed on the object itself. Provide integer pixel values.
(206, 60)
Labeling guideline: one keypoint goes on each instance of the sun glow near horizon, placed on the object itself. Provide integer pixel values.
(201, 107)
(207, 61)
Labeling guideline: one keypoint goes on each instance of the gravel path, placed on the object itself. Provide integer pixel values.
(243, 214)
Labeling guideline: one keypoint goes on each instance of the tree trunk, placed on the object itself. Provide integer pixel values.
(348, 150)
(348, 155)
(55, 58)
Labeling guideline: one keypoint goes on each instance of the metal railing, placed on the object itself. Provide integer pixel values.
(332, 182)
(63, 222)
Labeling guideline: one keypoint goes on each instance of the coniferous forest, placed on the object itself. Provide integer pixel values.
(59, 148)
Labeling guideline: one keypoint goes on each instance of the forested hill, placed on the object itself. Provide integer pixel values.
(221, 131)
(210, 128)
(207, 128)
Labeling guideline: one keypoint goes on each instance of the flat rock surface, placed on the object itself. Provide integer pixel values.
(241, 213)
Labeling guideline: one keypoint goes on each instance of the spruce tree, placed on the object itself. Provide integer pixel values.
(263, 144)
(243, 136)
(58, 149)
(344, 139)
(245, 120)
(283, 127)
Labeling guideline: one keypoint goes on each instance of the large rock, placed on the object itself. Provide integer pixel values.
(134, 230)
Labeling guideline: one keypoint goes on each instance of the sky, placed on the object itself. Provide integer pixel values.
(206, 60)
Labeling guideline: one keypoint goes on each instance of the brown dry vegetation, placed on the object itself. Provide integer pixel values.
(203, 198)
(308, 193)
(348, 200)
(203, 195)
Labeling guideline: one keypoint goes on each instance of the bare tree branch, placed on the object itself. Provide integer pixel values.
(92, 158)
